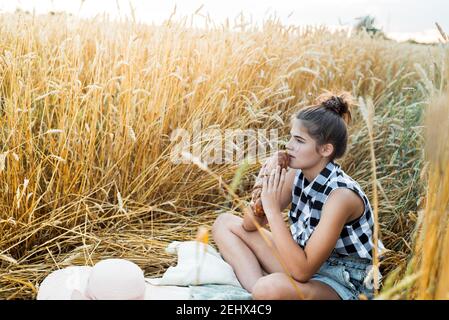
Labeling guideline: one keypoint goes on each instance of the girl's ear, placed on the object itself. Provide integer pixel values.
(326, 150)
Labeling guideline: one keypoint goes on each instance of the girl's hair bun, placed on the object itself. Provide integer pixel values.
(339, 104)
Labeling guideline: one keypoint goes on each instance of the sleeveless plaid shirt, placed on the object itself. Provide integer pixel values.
(307, 203)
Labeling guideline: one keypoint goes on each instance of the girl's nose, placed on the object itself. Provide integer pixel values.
(287, 146)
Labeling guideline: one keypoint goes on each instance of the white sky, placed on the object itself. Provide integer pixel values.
(398, 18)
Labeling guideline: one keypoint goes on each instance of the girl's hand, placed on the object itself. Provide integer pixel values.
(272, 187)
(269, 165)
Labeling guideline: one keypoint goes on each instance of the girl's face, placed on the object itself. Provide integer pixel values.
(301, 147)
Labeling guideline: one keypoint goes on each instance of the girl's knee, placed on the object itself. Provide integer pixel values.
(268, 287)
(222, 223)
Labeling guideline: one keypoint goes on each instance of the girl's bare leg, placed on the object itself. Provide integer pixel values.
(278, 286)
(247, 252)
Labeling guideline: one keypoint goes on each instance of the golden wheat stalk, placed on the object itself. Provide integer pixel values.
(433, 242)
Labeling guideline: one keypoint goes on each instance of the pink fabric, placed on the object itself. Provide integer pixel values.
(116, 279)
(110, 279)
(60, 284)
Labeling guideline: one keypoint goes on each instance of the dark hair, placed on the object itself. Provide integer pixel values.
(326, 121)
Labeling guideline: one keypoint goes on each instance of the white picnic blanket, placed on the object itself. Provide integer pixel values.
(198, 264)
(202, 270)
(200, 273)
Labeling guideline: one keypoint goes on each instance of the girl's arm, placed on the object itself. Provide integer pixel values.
(284, 201)
(286, 195)
(303, 264)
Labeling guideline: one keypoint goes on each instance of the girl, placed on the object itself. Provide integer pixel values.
(328, 248)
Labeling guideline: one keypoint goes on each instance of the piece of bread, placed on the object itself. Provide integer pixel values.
(256, 202)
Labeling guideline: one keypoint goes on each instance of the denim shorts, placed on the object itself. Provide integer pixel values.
(346, 276)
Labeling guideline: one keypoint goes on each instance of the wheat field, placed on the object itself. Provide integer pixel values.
(87, 108)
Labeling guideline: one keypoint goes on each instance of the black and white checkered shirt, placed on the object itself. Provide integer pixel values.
(307, 203)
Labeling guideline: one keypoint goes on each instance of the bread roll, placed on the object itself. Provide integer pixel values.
(256, 202)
